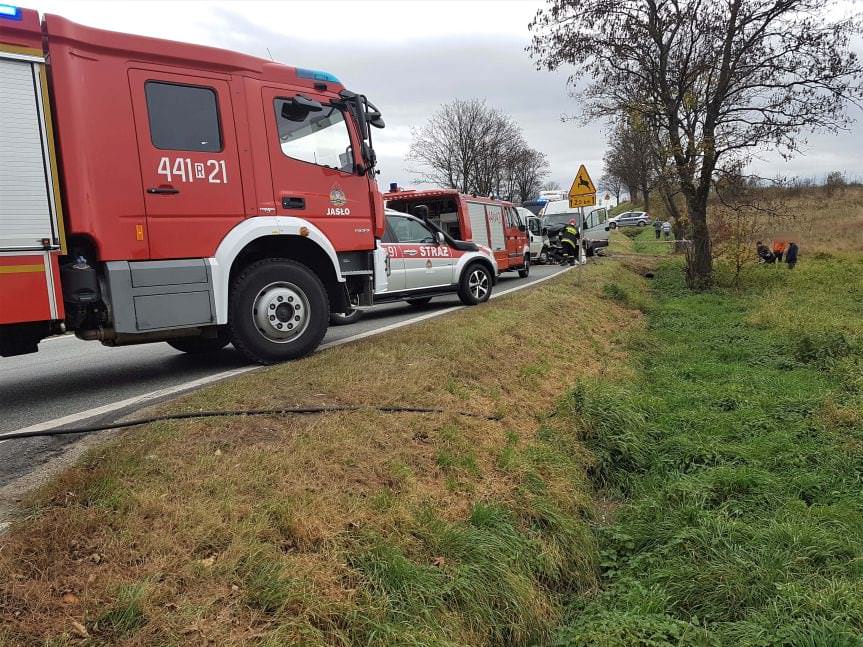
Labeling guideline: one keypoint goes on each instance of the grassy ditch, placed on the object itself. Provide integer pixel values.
(733, 459)
(350, 528)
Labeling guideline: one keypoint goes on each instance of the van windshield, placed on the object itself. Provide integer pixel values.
(559, 218)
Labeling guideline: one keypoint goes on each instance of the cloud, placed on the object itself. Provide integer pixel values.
(411, 57)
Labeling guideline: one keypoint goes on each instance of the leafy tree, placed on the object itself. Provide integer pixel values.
(717, 79)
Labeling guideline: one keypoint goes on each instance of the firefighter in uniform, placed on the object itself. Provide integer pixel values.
(569, 241)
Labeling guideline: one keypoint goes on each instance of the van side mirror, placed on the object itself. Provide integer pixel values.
(440, 238)
(544, 231)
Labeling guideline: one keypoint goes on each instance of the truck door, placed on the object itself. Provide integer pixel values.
(314, 168)
(497, 235)
(516, 239)
(189, 163)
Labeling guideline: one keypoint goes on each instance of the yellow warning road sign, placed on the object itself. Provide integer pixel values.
(582, 193)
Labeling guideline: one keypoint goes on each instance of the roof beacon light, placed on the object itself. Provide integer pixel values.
(8, 12)
(316, 75)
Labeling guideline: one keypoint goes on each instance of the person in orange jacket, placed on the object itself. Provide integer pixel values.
(779, 246)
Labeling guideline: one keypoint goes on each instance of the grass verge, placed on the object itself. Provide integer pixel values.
(733, 459)
(350, 528)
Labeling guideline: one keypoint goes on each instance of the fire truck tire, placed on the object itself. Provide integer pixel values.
(199, 345)
(345, 318)
(524, 272)
(278, 310)
(419, 302)
(474, 286)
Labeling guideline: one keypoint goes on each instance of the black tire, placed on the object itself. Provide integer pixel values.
(612, 225)
(419, 302)
(474, 286)
(200, 344)
(525, 271)
(345, 318)
(277, 292)
(543, 256)
(588, 251)
(641, 223)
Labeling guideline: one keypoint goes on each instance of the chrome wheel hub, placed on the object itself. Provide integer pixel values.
(281, 312)
(477, 283)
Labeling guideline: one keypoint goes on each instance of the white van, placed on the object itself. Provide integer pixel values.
(592, 223)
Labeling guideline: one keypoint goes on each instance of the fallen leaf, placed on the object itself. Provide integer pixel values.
(439, 561)
(70, 598)
(80, 629)
(218, 452)
(209, 561)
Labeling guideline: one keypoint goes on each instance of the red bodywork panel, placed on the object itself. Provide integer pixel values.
(108, 161)
(24, 289)
(509, 257)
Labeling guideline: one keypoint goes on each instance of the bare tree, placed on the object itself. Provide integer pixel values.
(471, 147)
(611, 183)
(719, 79)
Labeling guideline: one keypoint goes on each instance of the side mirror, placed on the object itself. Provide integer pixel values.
(544, 231)
(440, 238)
(298, 108)
(377, 122)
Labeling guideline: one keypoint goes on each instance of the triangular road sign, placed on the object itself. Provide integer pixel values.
(582, 184)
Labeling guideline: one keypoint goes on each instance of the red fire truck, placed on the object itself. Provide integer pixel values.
(486, 221)
(160, 191)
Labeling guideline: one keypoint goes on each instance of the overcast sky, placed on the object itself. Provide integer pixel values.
(409, 57)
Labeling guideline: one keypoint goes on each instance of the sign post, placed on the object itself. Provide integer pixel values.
(582, 193)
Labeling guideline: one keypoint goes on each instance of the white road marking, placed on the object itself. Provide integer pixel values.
(195, 384)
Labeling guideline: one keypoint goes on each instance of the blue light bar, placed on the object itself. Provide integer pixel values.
(316, 75)
(8, 12)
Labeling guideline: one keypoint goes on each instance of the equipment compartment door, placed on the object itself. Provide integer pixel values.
(28, 218)
(189, 163)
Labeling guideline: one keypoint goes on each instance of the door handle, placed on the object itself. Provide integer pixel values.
(162, 190)
(293, 203)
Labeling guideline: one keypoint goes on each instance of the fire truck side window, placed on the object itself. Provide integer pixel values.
(320, 138)
(183, 117)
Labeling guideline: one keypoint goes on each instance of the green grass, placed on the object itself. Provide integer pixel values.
(736, 454)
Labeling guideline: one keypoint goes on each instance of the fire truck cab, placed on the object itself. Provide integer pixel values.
(160, 191)
(485, 221)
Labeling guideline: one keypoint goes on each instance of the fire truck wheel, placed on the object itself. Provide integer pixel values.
(525, 271)
(345, 318)
(200, 344)
(475, 284)
(419, 302)
(277, 310)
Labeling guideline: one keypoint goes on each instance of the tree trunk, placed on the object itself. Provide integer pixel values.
(646, 193)
(699, 260)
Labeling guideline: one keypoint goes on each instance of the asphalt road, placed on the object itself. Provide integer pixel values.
(70, 378)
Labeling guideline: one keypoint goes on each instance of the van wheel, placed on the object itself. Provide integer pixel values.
(345, 318)
(277, 310)
(474, 286)
(543, 256)
(588, 251)
(200, 344)
(525, 271)
(419, 302)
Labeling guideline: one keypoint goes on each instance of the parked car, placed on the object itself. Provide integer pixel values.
(424, 262)
(630, 219)
(536, 237)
